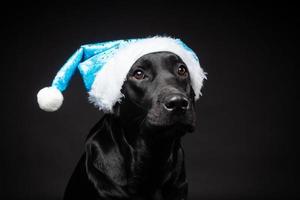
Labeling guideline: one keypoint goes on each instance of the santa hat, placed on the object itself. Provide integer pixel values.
(104, 67)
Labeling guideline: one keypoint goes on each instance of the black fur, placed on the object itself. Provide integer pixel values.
(135, 153)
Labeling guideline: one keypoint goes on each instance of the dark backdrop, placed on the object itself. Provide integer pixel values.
(243, 147)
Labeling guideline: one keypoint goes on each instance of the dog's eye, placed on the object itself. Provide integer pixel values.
(139, 74)
(182, 71)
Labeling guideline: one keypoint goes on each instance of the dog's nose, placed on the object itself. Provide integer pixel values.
(176, 102)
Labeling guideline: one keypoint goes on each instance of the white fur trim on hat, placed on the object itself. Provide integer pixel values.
(106, 88)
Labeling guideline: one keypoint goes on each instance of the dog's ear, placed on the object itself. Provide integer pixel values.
(104, 163)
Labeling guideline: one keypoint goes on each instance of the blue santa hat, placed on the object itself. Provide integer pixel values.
(104, 67)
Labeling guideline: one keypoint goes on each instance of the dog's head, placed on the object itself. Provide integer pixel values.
(158, 93)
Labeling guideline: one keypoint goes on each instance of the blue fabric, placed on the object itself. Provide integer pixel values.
(95, 57)
(90, 59)
(64, 75)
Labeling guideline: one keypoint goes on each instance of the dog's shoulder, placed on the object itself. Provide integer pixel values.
(103, 159)
(98, 126)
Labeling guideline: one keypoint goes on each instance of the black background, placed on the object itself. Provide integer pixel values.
(244, 146)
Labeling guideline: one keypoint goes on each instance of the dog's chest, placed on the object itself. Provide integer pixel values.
(149, 172)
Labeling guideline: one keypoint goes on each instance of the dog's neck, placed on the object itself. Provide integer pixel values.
(149, 144)
(155, 149)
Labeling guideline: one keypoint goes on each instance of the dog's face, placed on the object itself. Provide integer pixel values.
(158, 93)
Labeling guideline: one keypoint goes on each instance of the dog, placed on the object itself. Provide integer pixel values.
(135, 152)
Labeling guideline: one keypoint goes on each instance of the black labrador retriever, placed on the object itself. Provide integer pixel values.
(136, 152)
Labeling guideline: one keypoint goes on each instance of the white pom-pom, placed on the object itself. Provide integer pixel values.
(50, 99)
